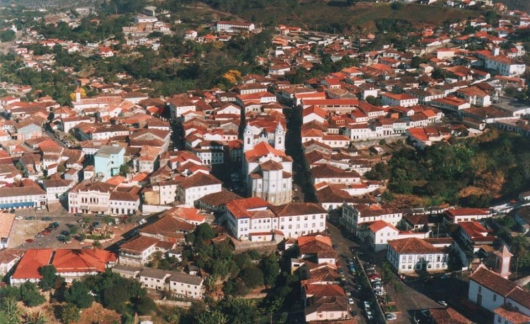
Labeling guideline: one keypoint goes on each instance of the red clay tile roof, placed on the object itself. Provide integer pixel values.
(493, 281)
(413, 246)
(33, 259)
(512, 315)
(65, 260)
(199, 179)
(448, 316)
(240, 208)
(379, 225)
(139, 244)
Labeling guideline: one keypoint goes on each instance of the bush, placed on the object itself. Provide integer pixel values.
(145, 305)
(396, 6)
(252, 277)
(30, 295)
(79, 295)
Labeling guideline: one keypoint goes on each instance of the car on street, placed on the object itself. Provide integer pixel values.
(443, 303)
(46, 219)
(29, 240)
(19, 217)
(39, 236)
(391, 317)
(30, 218)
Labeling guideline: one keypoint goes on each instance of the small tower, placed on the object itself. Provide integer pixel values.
(495, 51)
(279, 138)
(248, 139)
(502, 262)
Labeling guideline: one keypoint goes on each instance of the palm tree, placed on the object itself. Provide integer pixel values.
(35, 318)
(519, 249)
(12, 311)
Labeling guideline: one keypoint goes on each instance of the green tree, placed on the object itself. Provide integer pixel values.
(519, 248)
(70, 314)
(415, 62)
(10, 313)
(204, 232)
(387, 197)
(252, 277)
(30, 295)
(124, 169)
(115, 297)
(49, 275)
(145, 305)
(270, 268)
(79, 295)
(7, 36)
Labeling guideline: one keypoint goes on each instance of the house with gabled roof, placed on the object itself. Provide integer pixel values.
(197, 186)
(137, 251)
(409, 255)
(509, 302)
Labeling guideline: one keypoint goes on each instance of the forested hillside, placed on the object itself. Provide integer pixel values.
(470, 172)
(516, 4)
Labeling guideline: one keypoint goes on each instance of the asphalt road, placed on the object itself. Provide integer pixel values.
(343, 249)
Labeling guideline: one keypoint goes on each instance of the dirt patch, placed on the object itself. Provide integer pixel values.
(98, 314)
(25, 229)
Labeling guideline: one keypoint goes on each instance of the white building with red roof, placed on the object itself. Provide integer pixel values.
(267, 171)
(509, 302)
(69, 264)
(395, 99)
(457, 215)
(412, 254)
(255, 219)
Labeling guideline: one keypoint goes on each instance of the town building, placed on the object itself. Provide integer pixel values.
(411, 255)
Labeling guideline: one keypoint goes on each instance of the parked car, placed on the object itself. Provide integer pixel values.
(443, 303)
(65, 233)
(30, 218)
(19, 217)
(29, 240)
(46, 219)
(54, 225)
(350, 301)
(39, 236)
(391, 317)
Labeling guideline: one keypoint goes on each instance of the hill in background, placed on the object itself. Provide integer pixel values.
(337, 16)
(516, 4)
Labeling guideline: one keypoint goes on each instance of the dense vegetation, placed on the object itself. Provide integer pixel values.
(469, 172)
(336, 16)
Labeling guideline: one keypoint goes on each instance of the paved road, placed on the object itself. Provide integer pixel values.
(344, 245)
